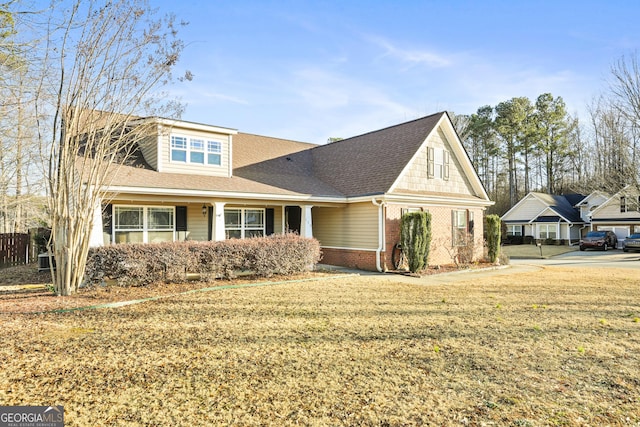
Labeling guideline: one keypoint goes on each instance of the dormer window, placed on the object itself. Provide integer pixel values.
(196, 154)
(196, 151)
(214, 153)
(178, 149)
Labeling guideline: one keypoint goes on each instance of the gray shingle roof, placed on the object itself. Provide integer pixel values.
(371, 163)
(363, 165)
(563, 205)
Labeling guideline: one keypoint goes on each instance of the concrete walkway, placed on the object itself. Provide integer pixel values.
(441, 278)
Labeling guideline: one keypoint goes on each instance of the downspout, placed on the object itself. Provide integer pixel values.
(381, 239)
(569, 230)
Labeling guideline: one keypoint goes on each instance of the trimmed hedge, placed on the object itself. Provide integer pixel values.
(415, 238)
(493, 237)
(141, 264)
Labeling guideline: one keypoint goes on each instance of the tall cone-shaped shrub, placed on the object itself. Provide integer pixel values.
(493, 237)
(415, 238)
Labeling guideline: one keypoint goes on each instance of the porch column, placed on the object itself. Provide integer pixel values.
(306, 226)
(96, 239)
(218, 221)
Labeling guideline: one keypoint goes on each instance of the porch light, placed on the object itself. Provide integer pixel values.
(204, 210)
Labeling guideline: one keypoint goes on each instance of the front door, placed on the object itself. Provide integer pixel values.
(292, 218)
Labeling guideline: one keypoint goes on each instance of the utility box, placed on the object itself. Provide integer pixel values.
(43, 262)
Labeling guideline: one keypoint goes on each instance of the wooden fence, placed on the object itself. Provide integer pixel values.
(14, 249)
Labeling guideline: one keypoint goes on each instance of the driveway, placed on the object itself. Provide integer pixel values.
(589, 259)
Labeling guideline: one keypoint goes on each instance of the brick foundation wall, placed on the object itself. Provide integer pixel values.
(362, 260)
(441, 251)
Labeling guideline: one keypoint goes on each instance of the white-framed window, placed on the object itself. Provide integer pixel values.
(514, 230)
(437, 163)
(196, 151)
(459, 227)
(548, 231)
(143, 224)
(241, 223)
(178, 149)
(214, 153)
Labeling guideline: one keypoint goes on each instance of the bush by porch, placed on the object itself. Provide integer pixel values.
(142, 264)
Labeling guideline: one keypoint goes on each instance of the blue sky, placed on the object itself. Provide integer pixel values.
(310, 70)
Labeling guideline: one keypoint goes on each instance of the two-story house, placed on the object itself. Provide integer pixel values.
(202, 182)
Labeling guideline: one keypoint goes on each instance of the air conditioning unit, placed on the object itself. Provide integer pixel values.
(43, 262)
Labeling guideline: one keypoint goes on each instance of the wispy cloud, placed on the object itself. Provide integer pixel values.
(410, 55)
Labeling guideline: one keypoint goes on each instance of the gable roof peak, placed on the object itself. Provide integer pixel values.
(430, 116)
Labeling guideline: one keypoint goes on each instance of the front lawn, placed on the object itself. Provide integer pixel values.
(533, 251)
(554, 347)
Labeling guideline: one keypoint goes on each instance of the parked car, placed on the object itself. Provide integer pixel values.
(632, 243)
(602, 240)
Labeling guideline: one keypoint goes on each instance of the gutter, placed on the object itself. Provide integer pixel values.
(381, 239)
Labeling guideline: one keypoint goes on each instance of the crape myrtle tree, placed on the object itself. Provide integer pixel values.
(104, 65)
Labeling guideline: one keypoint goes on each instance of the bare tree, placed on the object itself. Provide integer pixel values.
(108, 62)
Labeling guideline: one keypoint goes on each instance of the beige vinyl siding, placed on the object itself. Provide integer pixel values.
(277, 219)
(149, 149)
(612, 211)
(415, 178)
(197, 224)
(354, 226)
(528, 209)
(190, 168)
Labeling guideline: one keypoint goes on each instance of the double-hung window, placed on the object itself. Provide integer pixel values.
(548, 231)
(437, 163)
(128, 223)
(143, 224)
(178, 149)
(196, 151)
(459, 227)
(514, 230)
(240, 223)
(214, 153)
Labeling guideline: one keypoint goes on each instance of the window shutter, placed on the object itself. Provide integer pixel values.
(430, 162)
(470, 223)
(210, 223)
(269, 221)
(107, 218)
(181, 218)
(445, 166)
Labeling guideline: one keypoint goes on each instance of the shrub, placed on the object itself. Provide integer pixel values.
(415, 238)
(493, 237)
(169, 262)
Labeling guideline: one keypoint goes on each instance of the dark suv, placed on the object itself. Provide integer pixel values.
(602, 240)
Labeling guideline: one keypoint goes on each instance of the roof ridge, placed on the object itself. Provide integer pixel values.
(280, 139)
(383, 129)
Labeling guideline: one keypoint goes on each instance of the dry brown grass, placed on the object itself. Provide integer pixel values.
(555, 347)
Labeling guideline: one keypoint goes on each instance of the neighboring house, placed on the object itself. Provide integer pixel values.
(545, 216)
(591, 202)
(619, 213)
(200, 182)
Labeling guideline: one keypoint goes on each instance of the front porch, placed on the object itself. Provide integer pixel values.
(125, 221)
